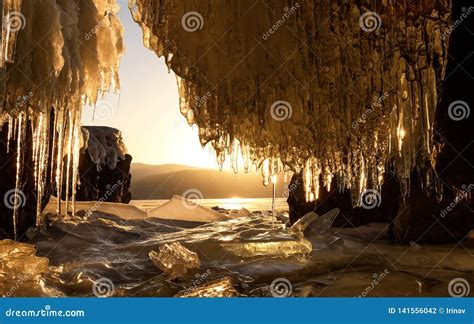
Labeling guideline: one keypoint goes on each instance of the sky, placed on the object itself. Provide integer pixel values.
(147, 109)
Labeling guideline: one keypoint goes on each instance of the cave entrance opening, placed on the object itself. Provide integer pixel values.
(147, 113)
(147, 109)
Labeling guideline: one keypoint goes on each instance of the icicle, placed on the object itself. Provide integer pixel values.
(236, 152)
(60, 129)
(19, 167)
(12, 22)
(43, 158)
(274, 182)
(69, 156)
(75, 157)
(265, 169)
(10, 132)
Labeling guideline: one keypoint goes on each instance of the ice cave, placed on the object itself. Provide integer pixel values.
(362, 106)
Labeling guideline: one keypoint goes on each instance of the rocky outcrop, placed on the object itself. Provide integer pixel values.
(382, 209)
(104, 166)
(419, 217)
(422, 218)
(104, 170)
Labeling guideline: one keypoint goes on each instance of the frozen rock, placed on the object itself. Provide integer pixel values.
(104, 145)
(216, 288)
(104, 166)
(175, 260)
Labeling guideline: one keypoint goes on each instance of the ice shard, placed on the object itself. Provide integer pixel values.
(19, 258)
(313, 224)
(277, 248)
(175, 260)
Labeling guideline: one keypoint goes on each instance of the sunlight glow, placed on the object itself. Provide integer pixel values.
(147, 109)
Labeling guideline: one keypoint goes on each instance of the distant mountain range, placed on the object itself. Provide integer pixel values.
(164, 181)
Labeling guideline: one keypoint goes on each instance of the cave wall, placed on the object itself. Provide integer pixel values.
(423, 217)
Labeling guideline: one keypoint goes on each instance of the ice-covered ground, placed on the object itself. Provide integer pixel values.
(250, 254)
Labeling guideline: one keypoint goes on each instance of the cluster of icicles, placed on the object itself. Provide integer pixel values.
(327, 88)
(56, 56)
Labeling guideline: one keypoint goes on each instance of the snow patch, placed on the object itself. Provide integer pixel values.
(105, 145)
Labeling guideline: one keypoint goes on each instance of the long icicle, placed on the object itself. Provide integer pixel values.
(59, 158)
(17, 198)
(69, 156)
